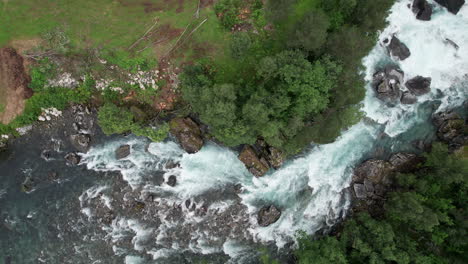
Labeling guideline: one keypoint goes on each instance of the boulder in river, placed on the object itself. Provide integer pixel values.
(398, 49)
(387, 84)
(453, 6)
(268, 215)
(172, 180)
(122, 152)
(408, 98)
(422, 9)
(188, 134)
(419, 85)
(80, 142)
(256, 165)
(73, 158)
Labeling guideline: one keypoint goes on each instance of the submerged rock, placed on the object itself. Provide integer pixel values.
(28, 185)
(122, 152)
(422, 9)
(452, 43)
(188, 134)
(419, 85)
(398, 49)
(453, 6)
(268, 215)
(73, 158)
(408, 98)
(257, 166)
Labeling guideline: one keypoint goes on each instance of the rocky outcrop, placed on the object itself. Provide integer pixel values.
(188, 134)
(387, 84)
(422, 9)
(451, 129)
(256, 165)
(405, 162)
(398, 49)
(268, 215)
(373, 177)
(419, 85)
(453, 6)
(376, 171)
(122, 152)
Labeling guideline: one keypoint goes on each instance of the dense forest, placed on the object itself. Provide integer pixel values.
(424, 220)
(293, 78)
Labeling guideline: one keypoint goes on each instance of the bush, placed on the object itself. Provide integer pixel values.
(117, 120)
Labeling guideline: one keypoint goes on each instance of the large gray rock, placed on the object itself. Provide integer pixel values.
(422, 9)
(122, 152)
(376, 171)
(419, 85)
(453, 6)
(405, 162)
(387, 84)
(268, 215)
(188, 134)
(398, 49)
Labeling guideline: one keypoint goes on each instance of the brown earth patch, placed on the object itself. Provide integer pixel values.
(13, 84)
(156, 6)
(206, 3)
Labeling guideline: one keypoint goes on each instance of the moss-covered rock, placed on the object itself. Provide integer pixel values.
(188, 134)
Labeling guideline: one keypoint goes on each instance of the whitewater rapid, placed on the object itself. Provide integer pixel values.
(311, 189)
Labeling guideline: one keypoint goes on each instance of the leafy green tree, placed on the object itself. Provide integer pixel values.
(322, 251)
(310, 33)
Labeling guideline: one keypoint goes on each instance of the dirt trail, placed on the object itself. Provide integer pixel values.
(13, 84)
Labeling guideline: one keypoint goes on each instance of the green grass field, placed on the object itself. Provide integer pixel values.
(111, 24)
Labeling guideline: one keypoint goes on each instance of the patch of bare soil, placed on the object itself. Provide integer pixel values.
(206, 3)
(151, 6)
(169, 93)
(13, 84)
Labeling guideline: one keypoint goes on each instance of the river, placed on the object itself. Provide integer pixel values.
(123, 211)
